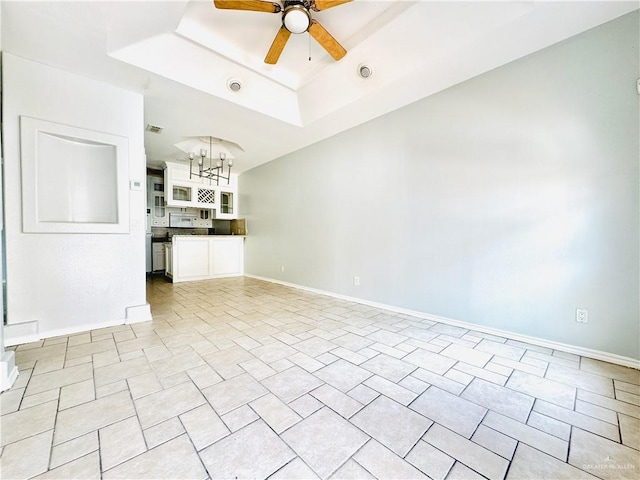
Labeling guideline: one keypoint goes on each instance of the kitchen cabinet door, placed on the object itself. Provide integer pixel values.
(157, 250)
(227, 256)
(159, 216)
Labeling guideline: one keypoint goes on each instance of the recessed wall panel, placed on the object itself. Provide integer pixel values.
(74, 180)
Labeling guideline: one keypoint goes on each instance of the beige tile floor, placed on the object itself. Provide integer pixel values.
(238, 378)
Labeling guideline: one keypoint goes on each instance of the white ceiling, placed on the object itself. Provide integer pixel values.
(181, 55)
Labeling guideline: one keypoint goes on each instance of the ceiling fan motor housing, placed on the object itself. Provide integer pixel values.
(296, 17)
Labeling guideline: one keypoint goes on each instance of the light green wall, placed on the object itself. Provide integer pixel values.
(506, 201)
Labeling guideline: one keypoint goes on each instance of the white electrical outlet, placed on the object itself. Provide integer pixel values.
(582, 315)
(282, 268)
(356, 280)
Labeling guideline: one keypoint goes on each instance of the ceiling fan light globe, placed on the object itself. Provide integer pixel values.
(296, 20)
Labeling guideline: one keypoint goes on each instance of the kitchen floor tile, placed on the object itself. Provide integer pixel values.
(455, 413)
(383, 463)
(630, 431)
(500, 399)
(462, 472)
(500, 349)
(550, 425)
(478, 458)
(324, 441)
(275, 413)
(59, 378)
(291, 384)
(239, 418)
(585, 422)
(121, 371)
(203, 426)
(393, 425)
(73, 449)
(430, 460)
(86, 468)
(252, 452)
(77, 393)
(343, 375)
(40, 398)
(160, 463)
(388, 367)
(27, 457)
(337, 401)
(25, 423)
(10, 400)
(82, 419)
(294, 470)
(495, 441)
(529, 435)
(306, 405)
(439, 381)
(163, 432)
(120, 441)
(314, 346)
(144, 384)
(352, 470)
(261, 380)
(549, 390)
(233, 393)
(467, 355)
(530, 463)
(430, 361)
(603, 458)
(161, 406)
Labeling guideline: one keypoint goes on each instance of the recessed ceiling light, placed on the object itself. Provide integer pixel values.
(234, 84)
(365, 71)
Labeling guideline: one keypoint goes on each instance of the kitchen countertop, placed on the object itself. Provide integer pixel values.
(168, 239)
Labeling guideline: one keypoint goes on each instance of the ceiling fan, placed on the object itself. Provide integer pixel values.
(296, 18)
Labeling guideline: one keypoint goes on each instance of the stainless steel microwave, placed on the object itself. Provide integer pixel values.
(185, 220)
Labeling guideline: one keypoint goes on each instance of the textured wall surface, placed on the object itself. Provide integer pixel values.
(71, 281)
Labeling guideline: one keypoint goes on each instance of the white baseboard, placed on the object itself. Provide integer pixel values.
(17, 333)
(582, 351)
(27, 332)
(139, 313)
(8, 370)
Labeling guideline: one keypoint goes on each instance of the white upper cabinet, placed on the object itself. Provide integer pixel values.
(156, 202)
(183, 189)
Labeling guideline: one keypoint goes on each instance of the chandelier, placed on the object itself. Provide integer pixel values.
(211, 172)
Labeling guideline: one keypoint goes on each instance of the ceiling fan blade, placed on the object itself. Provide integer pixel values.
(277, 46)
(254, 5)
(325, 4)
(327, 42)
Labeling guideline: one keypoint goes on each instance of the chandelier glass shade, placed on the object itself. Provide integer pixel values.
(209, 165)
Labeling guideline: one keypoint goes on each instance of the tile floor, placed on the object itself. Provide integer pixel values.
(239, 378)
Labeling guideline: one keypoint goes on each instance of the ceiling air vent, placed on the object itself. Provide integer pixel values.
(154, 128)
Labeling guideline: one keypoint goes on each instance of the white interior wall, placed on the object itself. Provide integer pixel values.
(507, 201)
(72, 282)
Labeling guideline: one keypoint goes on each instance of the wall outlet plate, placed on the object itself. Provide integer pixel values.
(582, 315)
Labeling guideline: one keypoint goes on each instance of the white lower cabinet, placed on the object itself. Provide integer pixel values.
(199, 257)
(157, 256)
(168, 259)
